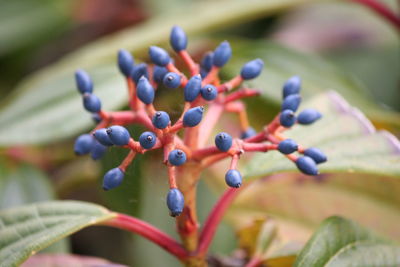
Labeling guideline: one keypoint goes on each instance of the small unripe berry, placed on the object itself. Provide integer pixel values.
(178, 39)
(250, 132)
(125, 62)
(159, 56)
(98, 150)
(96, 118)
(193, 116)
(83, 82)
(83, 144)
(209, 92)
(252, 69)
(161, 119)
(223, 141)
(316, 154)
(118, 135)
(147, 140)
(91, 102)
(287, 146)
(145, 92)
(192, 88)
(139, 71)
(172, 80)
(159, 73)
(308, 116)
(291, 102)
(113, 178)
(222, 54)
(175, 202)
(233, 178)
(207, 61)
(292, 86)
(287, 118)
(102, 136)
(307, 165)
(176, 157)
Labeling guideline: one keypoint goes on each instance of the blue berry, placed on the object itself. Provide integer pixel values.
(308, 116)
(83, 82)
(125, 62)
(178, 39)
(145, 91)
(287, 118)
(91, 102)
(292, 86)
(307, 165)
(233, 178)
(252, 69)
(316, 154)
(203, 73)
(102, 136)
(287, 146)
(175, 202)
(250, 132)
(159, 73)
(159, 56)
(172, 80)
(118, 135)
(83, 144)
(113, 178)
(161, 119)
(177, 157)
(222, 54)
(147, 140)
(96, 118)
(139, 71)
(98, 150)
(209, 92)
(223, 141)
(193, 116)
(192, 88)
(207, 61)
(291, 102)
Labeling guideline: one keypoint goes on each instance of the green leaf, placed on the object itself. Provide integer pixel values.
(27, 229)
(341, 242)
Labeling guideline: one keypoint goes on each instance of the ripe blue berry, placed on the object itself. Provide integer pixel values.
(192, 88)
(139, 71)
(102, 136)
(172, 80)
(307, 165)
(113, 178)
(287, 146)
(98, 150)
(233, 178)
(125, 62)
(223, 141)
(145, 91)
(287, 118)
(308, 116)
(83, 144)
(175, 202)
(161, 119)
(316, 154)
(118, 135)
(147, 140)
(252, 69)
(207, 61)
(178, 39)
(177, 157)
(222, 54)
(159, 73)
(91, 102)
(83, 82)
(96, 118)
(193, 116)
(292, 86)
(250, 132)
(209, 92)
(291, 102)
(159, 56)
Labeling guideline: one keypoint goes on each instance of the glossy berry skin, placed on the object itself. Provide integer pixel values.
(175, 202)
(307, 165)
(287, 118)
(209, 92)
(91, 102)
(145, 91)
(252, 69)
(222, 54)
(172, 80)
(287, 146)
(159, 56)
(178, 39)
(125, 62)
(233, 178)
(177, 157)
(161, 119)
(83, 82)
(159, 73)
(193, 116)
(316, 154)
(147, 140)
(291, 102)
(83, 144)
(292, 86)
(113, 178)
(250, 132)
(192, 88)
(223, 141)
(118, 135)
(207, 61)
(98, 150)
(139, 71)
(308, 116)
(102, 137)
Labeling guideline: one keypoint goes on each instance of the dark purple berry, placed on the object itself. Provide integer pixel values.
(250, 132)
(308, 116)
(118, 135)
(287, 146)
(147, 140)
(83, 144)
(233, 178)
(291, 102)
(145, 91)
(209, 92)
(307, 165)
(252, 69)
(292, 86)
(139, 71)
(125, 62)
(176, 157)
(223, 141)
(192, 88)
(113, 178)
(161, 119)
(83, 82)
(193, 116)
(159, 56)
(96, 118)
(175, 202)
(172, 80)
(91, 102)
(159, 73)
(178, 39)
(316, 154)
(287, 118)
(102, 136)
(98, 150)
(222, 54)
(207, 61)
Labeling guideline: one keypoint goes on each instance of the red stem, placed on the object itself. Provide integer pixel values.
(254, 262)
(381, 10)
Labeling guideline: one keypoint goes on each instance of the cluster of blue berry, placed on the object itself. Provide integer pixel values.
(202, 88)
